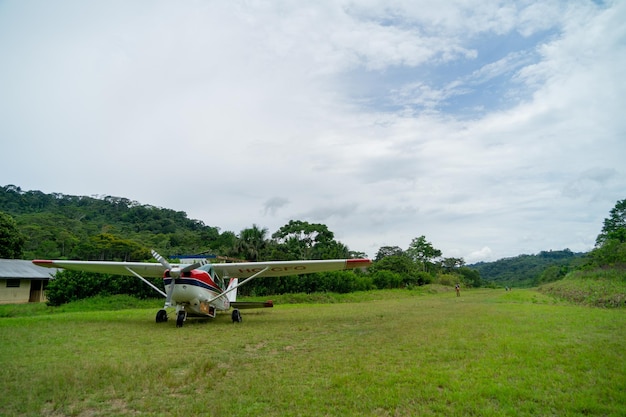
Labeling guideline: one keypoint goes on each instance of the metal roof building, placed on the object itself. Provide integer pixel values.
(22, 282)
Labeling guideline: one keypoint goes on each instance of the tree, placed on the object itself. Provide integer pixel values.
(105, 246)
(450, 264)
(423, 252)
(11, 240)
(304, 240)
(610, 247)
(612, 253)
(331, 249)
(356, 254)
(225, 244)
(471, 277)
(406, 272)
(553, 273)
(614, 227)
(385, 251)
(252, 242)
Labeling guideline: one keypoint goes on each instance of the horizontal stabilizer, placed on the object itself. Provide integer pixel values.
(251, 304)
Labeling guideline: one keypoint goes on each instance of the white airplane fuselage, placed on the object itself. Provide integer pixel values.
(193, 291)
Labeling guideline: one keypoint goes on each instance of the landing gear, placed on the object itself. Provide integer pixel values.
(161, 316)
(236, 316)
(180, 318)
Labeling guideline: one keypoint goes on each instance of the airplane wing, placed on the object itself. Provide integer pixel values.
(232, 270)
(285, 268)
(145, 269)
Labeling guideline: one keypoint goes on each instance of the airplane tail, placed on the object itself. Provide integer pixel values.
(232, 295)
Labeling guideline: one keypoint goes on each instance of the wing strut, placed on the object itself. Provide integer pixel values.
(238, 285)
(146, 281)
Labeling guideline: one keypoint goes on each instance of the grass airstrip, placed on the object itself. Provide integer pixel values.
(387, 353)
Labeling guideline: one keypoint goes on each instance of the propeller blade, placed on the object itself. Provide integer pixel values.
(191, 267)
(174, 272)
(166, 264)
(168, 299)
(161, 259)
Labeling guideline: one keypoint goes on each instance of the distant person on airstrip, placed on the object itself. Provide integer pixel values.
(458, 290)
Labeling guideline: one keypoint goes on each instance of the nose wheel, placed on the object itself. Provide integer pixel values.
(181, 316)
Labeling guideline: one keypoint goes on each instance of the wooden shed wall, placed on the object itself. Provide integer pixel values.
(14, 295)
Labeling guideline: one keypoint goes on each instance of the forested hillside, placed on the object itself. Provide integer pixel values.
(529, 270)
(113, 228)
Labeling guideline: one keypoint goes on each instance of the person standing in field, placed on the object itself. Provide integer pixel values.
(458, 290)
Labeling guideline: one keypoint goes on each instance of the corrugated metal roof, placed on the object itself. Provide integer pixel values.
(17, 268)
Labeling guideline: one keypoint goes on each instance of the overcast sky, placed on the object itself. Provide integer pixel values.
(493, 128)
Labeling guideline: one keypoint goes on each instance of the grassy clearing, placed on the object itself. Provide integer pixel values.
(487, 353)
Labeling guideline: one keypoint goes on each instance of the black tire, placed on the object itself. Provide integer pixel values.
(180, 319)
(161, 316)
(236, 316)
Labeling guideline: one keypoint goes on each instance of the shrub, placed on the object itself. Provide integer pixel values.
(386, 279)
(74, 285)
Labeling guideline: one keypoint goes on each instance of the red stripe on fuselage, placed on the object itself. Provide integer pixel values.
(200, 275)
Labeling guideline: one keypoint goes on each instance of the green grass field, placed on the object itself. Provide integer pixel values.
(396, 353)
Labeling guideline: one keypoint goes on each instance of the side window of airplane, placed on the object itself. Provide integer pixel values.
(217, 279)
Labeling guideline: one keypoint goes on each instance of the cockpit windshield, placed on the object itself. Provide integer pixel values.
(208, 268)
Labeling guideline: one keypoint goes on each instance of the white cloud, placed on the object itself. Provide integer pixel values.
(483, 254)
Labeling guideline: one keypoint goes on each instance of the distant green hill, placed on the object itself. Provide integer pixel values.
(529, 270)
(80, 227)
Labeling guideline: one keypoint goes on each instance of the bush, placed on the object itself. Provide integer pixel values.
(447, 279)
(385, 279)
(424, 278)
(70, 286)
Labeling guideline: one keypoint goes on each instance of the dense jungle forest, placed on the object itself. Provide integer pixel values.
(57, 226)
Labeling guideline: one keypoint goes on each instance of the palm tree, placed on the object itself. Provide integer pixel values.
(251, 242)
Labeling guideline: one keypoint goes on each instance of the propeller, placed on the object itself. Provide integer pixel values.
(174, 272)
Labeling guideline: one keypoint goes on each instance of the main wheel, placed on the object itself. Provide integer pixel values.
(180, 319)
(236, 316)
(161, 316)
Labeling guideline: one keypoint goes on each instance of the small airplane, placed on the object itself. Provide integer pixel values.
(199, 289)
